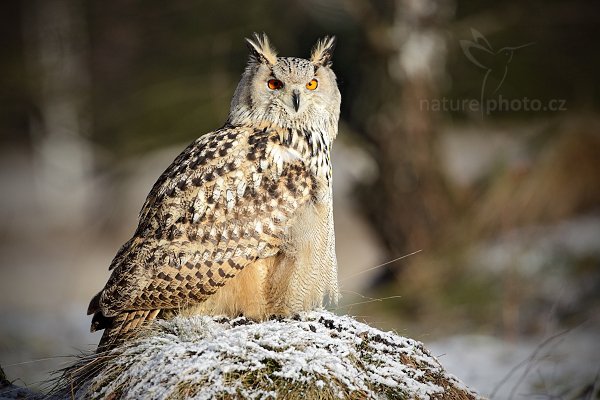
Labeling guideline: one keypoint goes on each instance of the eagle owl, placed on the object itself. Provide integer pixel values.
(241, 223)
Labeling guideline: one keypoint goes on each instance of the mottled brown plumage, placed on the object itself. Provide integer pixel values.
(241, 222)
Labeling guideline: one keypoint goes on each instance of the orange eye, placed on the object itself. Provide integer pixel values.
(312, 85)
(274, 84)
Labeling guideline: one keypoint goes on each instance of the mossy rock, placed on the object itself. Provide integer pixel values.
(317, 355)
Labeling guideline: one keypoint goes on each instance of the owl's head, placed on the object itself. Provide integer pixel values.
(286, 91)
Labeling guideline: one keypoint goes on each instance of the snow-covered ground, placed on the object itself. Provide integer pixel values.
(558, 366)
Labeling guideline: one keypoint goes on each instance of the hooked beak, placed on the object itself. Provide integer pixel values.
(296, 99)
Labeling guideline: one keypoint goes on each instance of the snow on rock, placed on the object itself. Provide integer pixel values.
(314, 355)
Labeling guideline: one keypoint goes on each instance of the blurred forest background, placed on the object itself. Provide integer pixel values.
(501, 199)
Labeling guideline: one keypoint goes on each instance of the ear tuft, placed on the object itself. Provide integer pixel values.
(322, 52)
(261, 50)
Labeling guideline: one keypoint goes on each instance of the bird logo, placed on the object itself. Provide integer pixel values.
(495, 62)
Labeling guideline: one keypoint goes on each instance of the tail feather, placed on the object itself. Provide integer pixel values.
(121, 327)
